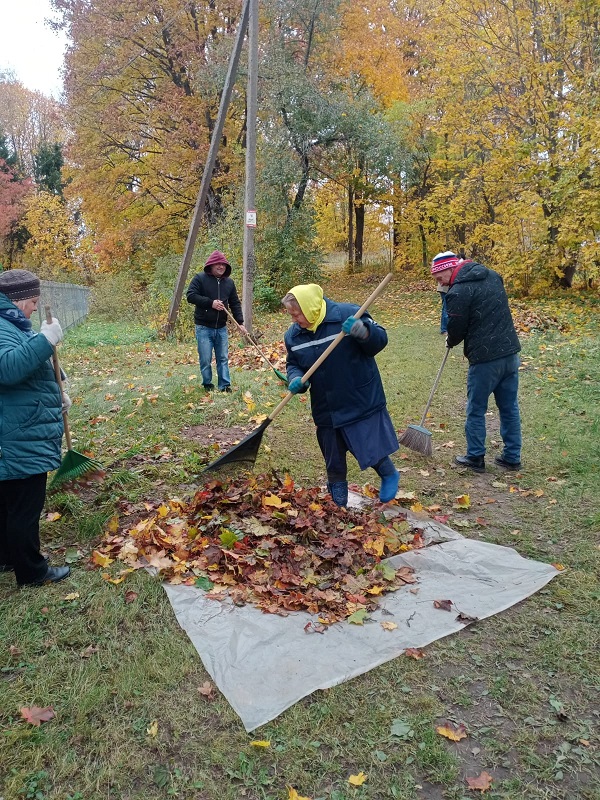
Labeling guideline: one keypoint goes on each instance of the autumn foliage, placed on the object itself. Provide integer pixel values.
(264, 541)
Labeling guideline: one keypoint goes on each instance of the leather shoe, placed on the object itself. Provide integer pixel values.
(476, 463)
(514, 465)
(53, 575)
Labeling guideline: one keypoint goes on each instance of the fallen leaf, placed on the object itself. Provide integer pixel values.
(207, 689)
(36, 715)
(130, 596)
(293, 794)
(152, 729)
(71, 596)
(89, 651)
(261, 743)
(445, 605)
(453, 732)
(388, 626)
(53, 516)
(357, 780)
(414, 652)
(481, 783)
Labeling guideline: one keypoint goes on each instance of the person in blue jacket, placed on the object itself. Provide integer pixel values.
(346, 393)
(31, 427)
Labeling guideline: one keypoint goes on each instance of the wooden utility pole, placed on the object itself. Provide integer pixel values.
(208, 170)
(249, 203)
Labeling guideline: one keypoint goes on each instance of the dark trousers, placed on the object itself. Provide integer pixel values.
(334, 448)
(21, 504)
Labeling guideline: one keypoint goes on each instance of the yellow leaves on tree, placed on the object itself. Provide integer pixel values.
(53, 248)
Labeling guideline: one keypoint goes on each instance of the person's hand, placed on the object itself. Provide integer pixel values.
(66, 403)
(448, 345)
(52, 331)
(297, 387)
(218, 305)
(356, 328)
(244, 331)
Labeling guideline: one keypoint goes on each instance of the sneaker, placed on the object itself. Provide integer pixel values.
(208, 387)
(514, 465)
(53, 575)
(476, 463)
(389, 487)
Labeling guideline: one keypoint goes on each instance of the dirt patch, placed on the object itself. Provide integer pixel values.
(223, 437)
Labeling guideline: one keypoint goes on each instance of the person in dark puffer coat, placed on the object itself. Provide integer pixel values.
(347, 399)
(479, 316)
(31, 428)
(212, 291)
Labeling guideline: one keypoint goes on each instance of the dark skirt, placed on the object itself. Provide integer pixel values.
(371, 439)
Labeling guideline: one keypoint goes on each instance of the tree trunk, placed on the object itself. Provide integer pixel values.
(350, 229)
(359, 238)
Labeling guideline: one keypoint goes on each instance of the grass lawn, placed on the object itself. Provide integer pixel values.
(123, 678)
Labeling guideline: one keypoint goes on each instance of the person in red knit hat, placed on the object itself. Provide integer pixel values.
(211, 292)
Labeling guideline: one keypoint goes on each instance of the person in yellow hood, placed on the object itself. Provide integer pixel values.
(346, 393)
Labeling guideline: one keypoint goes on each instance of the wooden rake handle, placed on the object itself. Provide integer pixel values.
(333, 344)
(59, 380)
(435, 384)
(249, 338)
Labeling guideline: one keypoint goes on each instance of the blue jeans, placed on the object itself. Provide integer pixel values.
(499, 377)
(216, 339)
(444, 314)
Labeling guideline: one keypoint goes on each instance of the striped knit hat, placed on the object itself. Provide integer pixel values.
(19, 284)
(442, 261)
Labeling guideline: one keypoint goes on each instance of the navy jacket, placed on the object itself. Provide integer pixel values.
(478, 314)
(347, 386)
(31, 423)
(204, 288)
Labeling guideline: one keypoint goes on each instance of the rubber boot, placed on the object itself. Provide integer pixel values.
(339, 493)
(390, 478)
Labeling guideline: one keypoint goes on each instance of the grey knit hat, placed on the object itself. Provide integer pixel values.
(19, 284)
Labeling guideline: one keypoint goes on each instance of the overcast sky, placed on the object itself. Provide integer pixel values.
(29, 47)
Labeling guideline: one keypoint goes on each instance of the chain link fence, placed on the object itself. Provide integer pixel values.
(69, 303)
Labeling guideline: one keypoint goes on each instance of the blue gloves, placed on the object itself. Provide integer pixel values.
(356, 328)
(297, 387)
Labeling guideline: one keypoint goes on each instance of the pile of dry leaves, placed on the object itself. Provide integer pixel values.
(262, 540)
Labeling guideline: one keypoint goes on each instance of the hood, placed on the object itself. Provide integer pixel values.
(471, 271)
(217, 257)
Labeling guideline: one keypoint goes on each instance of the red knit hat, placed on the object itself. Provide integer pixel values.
(442, 261)
(217, 257)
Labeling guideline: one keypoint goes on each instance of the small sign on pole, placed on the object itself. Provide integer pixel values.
(251, 219)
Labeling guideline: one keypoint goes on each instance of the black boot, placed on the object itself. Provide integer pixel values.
(339, 493)
(514, 465)
(476, 463)
(53, 575)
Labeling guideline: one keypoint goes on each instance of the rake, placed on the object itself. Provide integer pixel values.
(247, 449)
(279, 374)
(74, 465)
(417, 437)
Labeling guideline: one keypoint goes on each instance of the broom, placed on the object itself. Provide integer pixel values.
(417, 437)
(74, 465)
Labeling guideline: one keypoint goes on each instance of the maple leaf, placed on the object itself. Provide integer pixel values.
(358, 617)
(357, 780)
(159, 560)
(482, 783)
(207, 689)
(414, 652)
(445, 605)
(453, 732)
(36, 715)
(388, 626)
(274, 501)
(462, 501)
(100, 559)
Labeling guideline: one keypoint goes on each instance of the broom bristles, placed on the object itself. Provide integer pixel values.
(417, 438)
